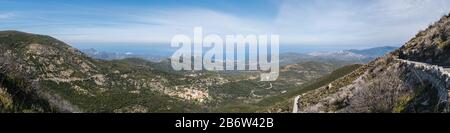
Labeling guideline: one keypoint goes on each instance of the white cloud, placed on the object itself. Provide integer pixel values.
(357, 22)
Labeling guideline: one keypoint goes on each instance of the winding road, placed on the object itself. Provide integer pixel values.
(443, 91)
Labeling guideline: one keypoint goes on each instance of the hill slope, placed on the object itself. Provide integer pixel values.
(411, 79)
(41, 74)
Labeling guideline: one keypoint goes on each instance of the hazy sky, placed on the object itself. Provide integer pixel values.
(300, 22)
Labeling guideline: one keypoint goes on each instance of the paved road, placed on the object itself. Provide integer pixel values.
(295, 109)
(446, 68)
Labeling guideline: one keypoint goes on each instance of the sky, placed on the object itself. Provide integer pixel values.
(297, 22)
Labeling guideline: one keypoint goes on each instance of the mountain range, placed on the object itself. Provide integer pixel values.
(351, 55)
(39, 73)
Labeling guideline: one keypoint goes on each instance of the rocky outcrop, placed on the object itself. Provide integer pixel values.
(414, 78)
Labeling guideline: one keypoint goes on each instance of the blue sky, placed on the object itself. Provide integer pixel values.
(298, 22)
